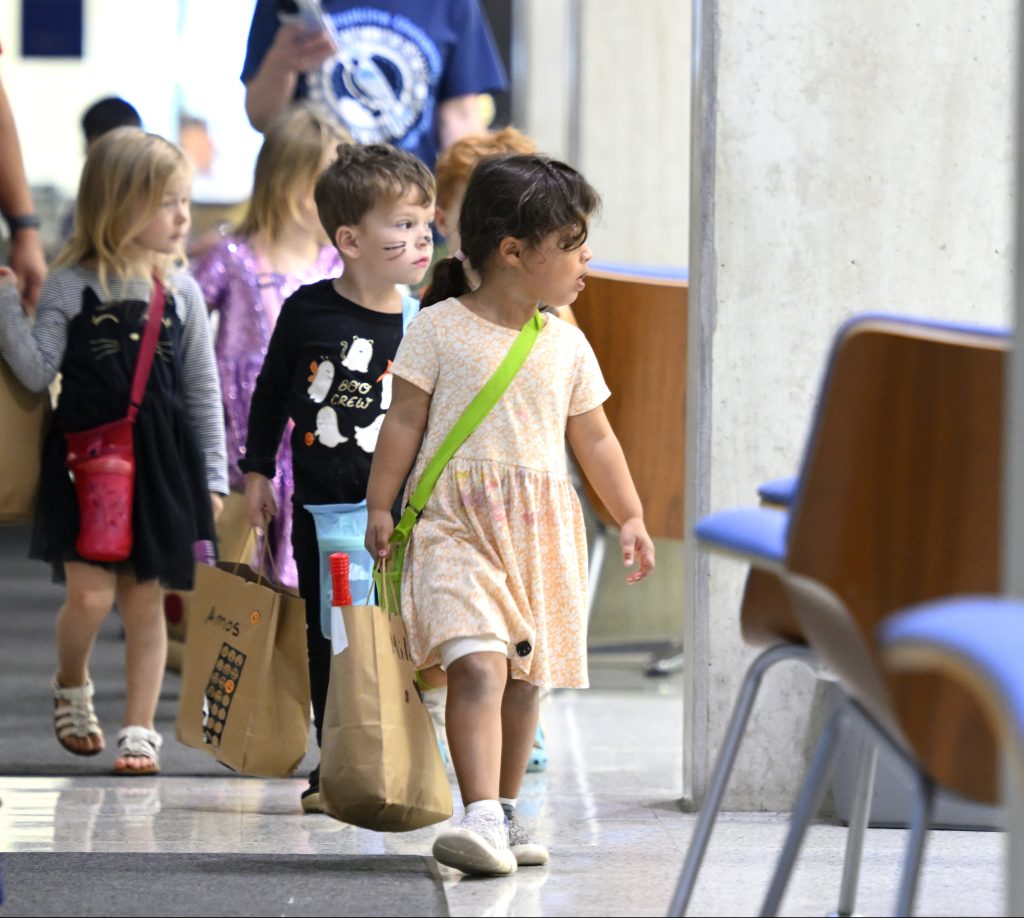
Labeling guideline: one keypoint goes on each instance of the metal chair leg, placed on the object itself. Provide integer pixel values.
(859, 817)
(723, 767)
(811, 792)
(594, 565)
(1010, 776)
(666, 664)
(920, 816)
(920, 820)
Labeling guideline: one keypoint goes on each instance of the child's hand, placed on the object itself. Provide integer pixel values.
(636, 546)
(260, 503)
(379, 527)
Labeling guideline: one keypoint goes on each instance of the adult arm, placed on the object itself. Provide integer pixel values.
(459, 117)
(26, 254)
(271, 88)
(473, 67)
(600, 455)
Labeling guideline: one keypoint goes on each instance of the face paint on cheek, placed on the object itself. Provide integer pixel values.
(395, 251)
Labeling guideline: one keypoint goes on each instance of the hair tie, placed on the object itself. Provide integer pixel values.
(459, 255)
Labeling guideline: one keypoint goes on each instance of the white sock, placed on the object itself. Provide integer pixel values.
(508, 804)
(485, 806)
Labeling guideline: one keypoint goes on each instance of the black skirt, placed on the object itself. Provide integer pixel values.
(171, 506)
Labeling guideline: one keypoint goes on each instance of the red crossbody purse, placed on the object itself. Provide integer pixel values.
(102, 461)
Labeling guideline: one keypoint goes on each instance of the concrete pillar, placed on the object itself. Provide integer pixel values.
(854, 157)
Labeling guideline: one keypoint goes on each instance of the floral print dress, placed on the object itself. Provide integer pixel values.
(500, 548)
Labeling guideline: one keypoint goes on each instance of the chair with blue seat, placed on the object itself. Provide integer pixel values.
(898, 503)
(978, 642)
(897, 470)
(778, 492)
(758, 535)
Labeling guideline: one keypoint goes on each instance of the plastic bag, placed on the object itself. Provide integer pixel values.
(341, 527)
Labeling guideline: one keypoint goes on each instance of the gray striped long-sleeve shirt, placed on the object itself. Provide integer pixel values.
(35, 350)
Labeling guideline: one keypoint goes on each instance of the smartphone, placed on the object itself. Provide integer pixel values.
(305, 12)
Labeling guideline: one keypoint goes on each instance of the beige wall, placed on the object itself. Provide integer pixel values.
(631, 108)
(635, 127)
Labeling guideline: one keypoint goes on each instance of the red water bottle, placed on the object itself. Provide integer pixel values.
(341, 591)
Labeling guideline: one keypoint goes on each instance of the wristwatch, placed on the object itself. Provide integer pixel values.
(24, 221)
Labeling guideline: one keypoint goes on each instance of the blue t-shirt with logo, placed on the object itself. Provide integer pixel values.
(396, 61)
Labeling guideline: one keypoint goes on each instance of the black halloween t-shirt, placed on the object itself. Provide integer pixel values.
(328, 368)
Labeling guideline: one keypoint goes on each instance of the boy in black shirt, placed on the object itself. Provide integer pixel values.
(328, 364)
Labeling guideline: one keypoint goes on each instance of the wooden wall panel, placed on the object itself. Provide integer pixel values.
(637, 327)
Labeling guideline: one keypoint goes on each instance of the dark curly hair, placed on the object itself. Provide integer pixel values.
(525, 196)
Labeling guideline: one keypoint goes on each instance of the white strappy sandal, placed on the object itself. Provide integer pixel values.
(74, 715)
(138, 743)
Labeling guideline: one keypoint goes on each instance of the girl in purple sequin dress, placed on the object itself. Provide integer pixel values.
(279, 246)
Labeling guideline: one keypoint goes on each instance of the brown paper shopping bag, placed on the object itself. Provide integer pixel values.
(245, 679)
(236, 541)
(380, 766)
(24, 418)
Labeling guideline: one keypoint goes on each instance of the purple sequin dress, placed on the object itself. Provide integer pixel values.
(248, 301)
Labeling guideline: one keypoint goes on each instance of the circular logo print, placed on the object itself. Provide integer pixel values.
(378, 84)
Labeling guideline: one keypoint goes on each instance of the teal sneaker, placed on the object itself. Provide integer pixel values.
(539, 755)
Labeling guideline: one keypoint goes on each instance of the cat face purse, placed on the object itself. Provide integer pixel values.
(102, 461)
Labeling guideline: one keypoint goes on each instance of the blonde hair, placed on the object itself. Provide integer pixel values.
(123, 182)
(456, 163)
(287, 167)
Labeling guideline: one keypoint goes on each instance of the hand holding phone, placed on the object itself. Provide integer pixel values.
(307, 13)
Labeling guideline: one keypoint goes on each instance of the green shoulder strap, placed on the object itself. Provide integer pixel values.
(468, 421)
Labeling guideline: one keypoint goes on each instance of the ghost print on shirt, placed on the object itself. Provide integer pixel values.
(357, 356)
(327, 428)
(320, 385)
(366, 437)
(352, 401)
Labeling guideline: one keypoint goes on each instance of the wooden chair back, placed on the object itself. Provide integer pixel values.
(900, 502)
(637, 328)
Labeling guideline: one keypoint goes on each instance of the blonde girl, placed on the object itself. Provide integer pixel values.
(494, 586)
(278, 247)
(131, 222)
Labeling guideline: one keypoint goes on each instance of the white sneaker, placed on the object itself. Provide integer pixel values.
(527, 853)
(479, 845)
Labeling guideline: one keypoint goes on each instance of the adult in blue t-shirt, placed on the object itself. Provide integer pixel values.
(404, 72)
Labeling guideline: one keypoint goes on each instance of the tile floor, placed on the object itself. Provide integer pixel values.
(606, 807)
